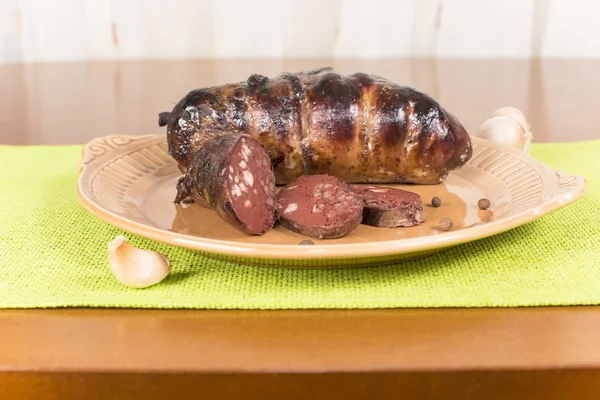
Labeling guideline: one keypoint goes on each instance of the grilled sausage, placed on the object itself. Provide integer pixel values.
(321, 206)
(233, 175)
(360, 128)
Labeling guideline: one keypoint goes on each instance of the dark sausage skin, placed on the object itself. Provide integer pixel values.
(360, 128)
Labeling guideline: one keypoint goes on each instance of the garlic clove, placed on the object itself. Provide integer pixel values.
(135, 267)
(505, 130)
(514, 113)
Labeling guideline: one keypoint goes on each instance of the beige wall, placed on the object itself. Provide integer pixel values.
(80, 30)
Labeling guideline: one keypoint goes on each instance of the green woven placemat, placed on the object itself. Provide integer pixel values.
(53, 253)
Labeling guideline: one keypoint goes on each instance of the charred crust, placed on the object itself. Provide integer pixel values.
(307, 158)
(197, 97)
(181, 150)
(255, 81)
(163, 118)
(238, 118)
(239, 93)
(182, 190)
(333, 100)
(463, 150)
(295, 82)
(185, 115)
(362, 79)
(392, 106)
(277, 160)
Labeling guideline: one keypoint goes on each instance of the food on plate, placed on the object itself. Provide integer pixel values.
(446, 224)
(389, 207)
(306, 242)
(316, 131)
(483, 204)
(233, 175)
(320, 206)
(436, 201)
(360, 128)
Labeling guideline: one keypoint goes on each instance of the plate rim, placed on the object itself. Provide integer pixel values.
(100, 148)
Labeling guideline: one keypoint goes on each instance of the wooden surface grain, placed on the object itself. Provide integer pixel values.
(428, 353)
(498, 385)
(311, 341)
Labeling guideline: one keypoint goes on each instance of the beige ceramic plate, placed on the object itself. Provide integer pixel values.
(129, 182)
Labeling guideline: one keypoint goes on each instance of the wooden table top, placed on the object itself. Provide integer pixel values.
(491, 353)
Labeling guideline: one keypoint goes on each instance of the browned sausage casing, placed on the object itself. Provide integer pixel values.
(360, 128)
(232, 175)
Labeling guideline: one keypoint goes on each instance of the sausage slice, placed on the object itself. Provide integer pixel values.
(320, 206)
(233, 175)
(389, 207)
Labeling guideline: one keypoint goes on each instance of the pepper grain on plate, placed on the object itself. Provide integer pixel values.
(483, 204)
(446, 224)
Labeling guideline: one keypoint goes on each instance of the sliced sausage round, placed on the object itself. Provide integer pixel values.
(233, 175)
(389, 207)
(320, 206)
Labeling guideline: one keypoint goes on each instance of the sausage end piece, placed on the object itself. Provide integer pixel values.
(233, 175)
(390, 208)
